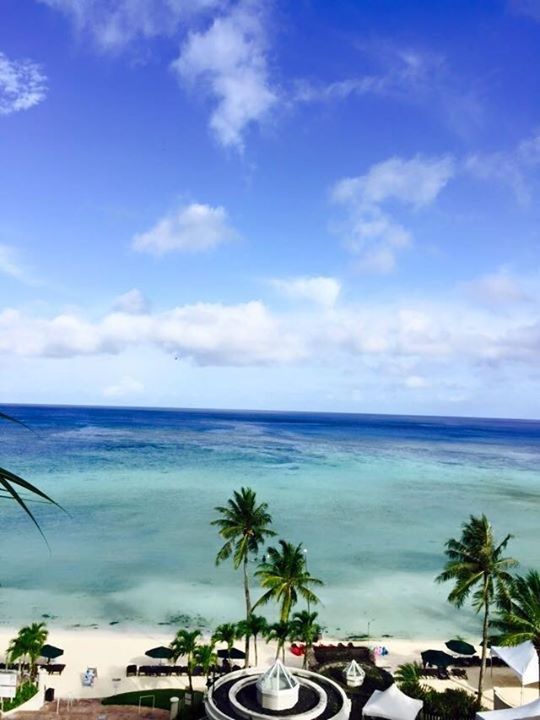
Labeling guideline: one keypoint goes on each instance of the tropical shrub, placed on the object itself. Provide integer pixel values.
(25, 691)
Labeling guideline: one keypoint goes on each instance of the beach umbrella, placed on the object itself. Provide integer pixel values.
(50, 652)
(436, 657)
(460, 647)
(235, 654)
(159, 653)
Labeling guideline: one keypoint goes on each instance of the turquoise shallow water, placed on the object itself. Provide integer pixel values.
(373, 498)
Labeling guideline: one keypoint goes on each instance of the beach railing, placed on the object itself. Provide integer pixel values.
(142, 697)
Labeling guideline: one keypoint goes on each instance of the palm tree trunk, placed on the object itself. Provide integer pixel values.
(256, 654)
(484, 652)
(190, 678)
(285, 608)
(248, 607)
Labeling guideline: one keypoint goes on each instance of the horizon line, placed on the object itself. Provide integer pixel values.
(168, 408)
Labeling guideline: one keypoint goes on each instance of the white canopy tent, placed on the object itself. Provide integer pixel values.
(392, 704)
(522, 659)
(531, 711)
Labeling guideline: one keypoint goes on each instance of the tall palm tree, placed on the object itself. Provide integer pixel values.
(206, 657)
(11, 485)
(518, 619)
(476, 565)
(252, 627)
(284, 576)
(280, 631)
(185, 643)
(28, 644)
(306, 629)
(244, 525)
(226, 633)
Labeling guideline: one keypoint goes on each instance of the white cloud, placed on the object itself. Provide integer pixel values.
(321, 290)
(499, 288)
(22, 85)
(193, 228)
(209, 334)
(408, 75)
(113, 25)
(126, 387)
(229, 61)
(371, 233)
(10, 263)
(511, 167)
(132, 302)
(415, 182)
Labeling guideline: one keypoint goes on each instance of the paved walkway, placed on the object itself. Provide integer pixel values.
(91, 710)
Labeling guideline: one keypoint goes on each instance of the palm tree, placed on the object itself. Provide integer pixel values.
(284, 576)
(306, 629)
(519, 612)
(185, 643)
(244, 525)
(226, 633)
(476, 565)
(28, 644)
(206, 657)
(252, 627)
(280, 631)
(11, 484)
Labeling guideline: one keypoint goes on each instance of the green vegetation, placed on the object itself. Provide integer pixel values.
(27, 645)
(206, 657)
(11, 484)
(25, 691)
(518, 619)
(185, 643)
(162, 700)
(408, 677)
(476, 565)
(450, 704)
(253, 627)
(281, 632)
(227, 633)
(284, 576)
(244, 525)
(304, 627)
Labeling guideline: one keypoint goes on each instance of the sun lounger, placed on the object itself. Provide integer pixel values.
(54, 669)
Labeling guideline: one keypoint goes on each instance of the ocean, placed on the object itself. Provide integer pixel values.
(373, 499)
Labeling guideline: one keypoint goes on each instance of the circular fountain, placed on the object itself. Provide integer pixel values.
(278, 691)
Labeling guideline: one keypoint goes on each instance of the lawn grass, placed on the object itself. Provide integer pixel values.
(162, 699)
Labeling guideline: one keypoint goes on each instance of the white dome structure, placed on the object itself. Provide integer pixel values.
(277, 689)
(276, 693)
(354, 674)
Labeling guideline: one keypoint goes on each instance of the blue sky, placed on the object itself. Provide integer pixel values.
(271, 205)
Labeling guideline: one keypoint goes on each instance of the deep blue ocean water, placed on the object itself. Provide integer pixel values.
(373, 498)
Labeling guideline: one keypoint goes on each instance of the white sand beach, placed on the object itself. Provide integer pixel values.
(111, 650)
